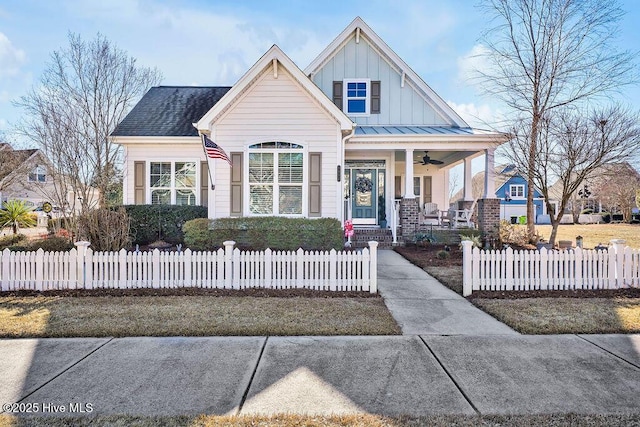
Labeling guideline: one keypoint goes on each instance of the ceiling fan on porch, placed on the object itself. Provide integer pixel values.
(426, 160)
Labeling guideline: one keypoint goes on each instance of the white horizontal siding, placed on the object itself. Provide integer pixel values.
(278, 109)
(157, 152)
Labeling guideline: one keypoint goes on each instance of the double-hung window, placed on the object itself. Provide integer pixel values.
(516, 191)
(173, 183)
(357, 96)
(276, 178)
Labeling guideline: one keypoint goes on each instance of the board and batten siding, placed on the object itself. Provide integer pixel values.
(279, 109)
(398, 105)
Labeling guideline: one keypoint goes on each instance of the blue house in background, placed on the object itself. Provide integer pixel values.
(512, 192)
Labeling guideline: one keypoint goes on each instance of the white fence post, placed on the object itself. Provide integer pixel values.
(4, 274)
(39, 269)
(81, 274)
(155, 268)
(228, 252)
(373, 266)
(467, 285)
(618, 265)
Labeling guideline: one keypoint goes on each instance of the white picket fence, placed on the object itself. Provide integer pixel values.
(528, 270)
(227, 268)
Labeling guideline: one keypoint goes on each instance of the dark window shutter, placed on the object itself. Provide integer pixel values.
(375, 97)
(337, 94)
(204, 184)
(139, 178)
(315, 184)
(236, 184)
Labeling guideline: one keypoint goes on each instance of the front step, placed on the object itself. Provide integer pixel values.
(361, 237)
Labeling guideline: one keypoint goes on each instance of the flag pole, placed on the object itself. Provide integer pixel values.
(213, 186)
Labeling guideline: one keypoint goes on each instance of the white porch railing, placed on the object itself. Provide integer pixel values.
(528, 270)
(394, 220)
(227, 268)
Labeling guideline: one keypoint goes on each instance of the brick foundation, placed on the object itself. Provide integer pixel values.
(489, 219)
(409, 217)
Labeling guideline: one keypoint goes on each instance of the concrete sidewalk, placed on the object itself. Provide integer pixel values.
(413, 375)
(423, 306)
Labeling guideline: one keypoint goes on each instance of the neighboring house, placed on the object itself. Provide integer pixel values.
(611, 188)
(26, 175)
(355, 130)
(511, 190)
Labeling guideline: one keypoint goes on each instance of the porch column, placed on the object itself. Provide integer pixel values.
(489, 174)
(489, 205)
(408, 174)
(468, 186)
(409, 209)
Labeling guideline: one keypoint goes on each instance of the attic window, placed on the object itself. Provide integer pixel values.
(38, 174)
(357, 97)
(516, 191)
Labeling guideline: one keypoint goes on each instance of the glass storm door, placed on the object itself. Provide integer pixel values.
(364, 202)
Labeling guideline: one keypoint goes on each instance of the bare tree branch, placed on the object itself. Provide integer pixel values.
(85, 91)
(544, 55)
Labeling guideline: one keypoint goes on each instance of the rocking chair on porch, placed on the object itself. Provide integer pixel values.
(463, 216)
(430, 214)
(459, 217)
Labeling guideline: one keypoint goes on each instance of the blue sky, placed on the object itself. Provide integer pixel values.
(200, 42)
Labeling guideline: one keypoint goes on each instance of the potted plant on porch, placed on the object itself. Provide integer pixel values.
(382, 212)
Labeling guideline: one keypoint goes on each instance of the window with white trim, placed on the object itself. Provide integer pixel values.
(172, 183)
(356, 97)
(38, 174)
(276, 178)
(516, 191)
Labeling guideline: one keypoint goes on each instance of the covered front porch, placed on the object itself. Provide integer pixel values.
(401, 181)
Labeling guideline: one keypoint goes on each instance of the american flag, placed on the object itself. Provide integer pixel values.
(213, 150)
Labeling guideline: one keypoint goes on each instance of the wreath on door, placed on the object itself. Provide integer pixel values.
(363, 184)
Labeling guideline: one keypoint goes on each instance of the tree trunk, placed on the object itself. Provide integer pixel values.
(15, 228)
(531, 228)
(554, 231)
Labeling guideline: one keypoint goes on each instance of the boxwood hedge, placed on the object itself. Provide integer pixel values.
(161, 222)
(259, 233)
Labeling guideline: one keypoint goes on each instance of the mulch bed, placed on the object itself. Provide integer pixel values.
(252, 292)
(581, 293)
(427, 255)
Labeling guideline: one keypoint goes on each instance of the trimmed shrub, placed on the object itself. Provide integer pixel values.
(443, 254)
(160, 222)
(197, 235)
(51, 243)
(11, 240)
(259, 233)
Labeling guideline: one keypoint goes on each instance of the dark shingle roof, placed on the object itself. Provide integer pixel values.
(169, 111)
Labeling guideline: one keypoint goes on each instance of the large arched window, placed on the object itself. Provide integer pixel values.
(275, 178)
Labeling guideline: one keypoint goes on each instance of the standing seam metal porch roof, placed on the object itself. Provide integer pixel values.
(416, 130)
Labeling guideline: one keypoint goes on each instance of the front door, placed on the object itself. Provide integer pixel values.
(364, 203)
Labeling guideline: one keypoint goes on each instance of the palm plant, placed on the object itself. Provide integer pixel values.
(15, 214)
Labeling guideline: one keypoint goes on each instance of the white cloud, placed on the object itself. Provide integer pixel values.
(11, 58)
(473, 61)
(480, 116)
(215, 48)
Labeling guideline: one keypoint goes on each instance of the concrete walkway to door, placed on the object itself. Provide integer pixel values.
(423, 306)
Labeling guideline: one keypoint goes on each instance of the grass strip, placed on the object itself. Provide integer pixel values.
(364, 420)
(566, 315)
(127, 316)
